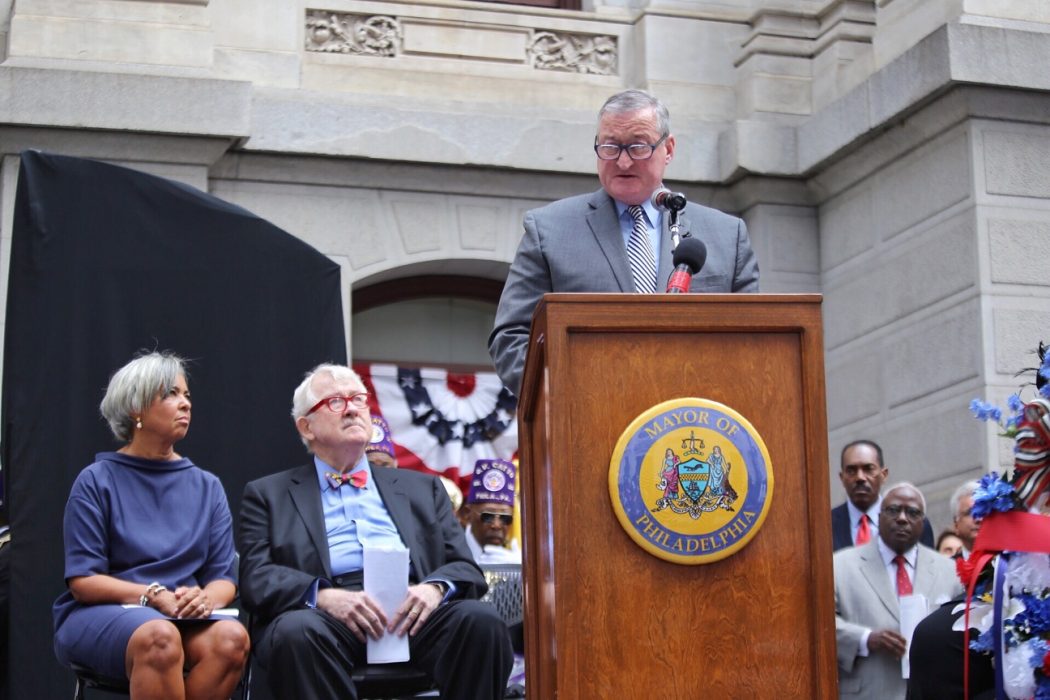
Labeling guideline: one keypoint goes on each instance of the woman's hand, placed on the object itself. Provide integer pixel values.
(163, 602)
(192, 602)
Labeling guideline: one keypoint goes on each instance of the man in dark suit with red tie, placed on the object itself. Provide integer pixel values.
(302, 537)
(862, 473)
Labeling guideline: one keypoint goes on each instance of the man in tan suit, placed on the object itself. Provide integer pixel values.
(870, 582)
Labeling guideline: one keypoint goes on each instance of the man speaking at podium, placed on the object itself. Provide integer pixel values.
(616, 239)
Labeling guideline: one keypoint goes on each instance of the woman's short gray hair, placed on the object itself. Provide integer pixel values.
(133, 387)
(635, 101)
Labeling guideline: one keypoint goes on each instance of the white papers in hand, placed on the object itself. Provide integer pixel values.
(913, 610)
(386, 581)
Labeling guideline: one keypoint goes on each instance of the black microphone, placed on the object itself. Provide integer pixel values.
(689, 257)
(664, 198)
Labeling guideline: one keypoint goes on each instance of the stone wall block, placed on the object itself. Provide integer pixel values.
(892, 287)
(854, 382)
(847, 226)
(1017, 163)
(109, 41)
(900, 24)
(939, 442)
(420, 221)
(758, 146)
(793, 238)
(691, 51)
(838, 69)
(478, 224)
(925, 183)
(258, 25)
(113, 101)
(911, 77)
(832, 127)
(1020, 251)
(1017, 332)
(429, 38)
(934, 355)
(1000, 56)
(263, 68)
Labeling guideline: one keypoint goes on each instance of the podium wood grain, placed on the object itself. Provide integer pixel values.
(604, 618)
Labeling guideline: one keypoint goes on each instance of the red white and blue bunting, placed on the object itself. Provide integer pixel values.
(442, 422)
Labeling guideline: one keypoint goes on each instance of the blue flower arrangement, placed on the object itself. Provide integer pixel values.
(1020, 645)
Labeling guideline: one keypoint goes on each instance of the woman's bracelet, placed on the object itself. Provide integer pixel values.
(151, 590)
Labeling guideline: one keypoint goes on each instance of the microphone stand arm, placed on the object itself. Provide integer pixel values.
(675, 227)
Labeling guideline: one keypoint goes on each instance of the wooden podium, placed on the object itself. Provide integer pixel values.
(605, 619)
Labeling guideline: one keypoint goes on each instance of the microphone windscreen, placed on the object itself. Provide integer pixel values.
(691, 252)
(657, 198)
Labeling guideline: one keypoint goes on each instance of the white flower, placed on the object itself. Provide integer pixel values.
(1018, 679)
(981, 616)
(1029, 572)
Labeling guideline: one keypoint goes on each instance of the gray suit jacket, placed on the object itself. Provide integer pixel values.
(864, 599)
(576, 245)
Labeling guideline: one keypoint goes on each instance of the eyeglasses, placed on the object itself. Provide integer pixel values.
(913, 514)
(635, 151)
(337, 404)
(506, 520)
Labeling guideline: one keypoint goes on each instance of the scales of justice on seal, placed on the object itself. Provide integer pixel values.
(675, 498)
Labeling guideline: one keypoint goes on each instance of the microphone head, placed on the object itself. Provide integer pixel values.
(691, 252)
(664, 198)
(658, 197)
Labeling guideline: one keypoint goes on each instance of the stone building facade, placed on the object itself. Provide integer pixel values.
(893, 155)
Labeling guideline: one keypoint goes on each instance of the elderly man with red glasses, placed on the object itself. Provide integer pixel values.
(490, 513)
(302, 538)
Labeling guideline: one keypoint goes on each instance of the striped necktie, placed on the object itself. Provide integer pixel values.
(640, 253)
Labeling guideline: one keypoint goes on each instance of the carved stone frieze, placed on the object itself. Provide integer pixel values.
(367, 35)
(573, 53)
(383, 35)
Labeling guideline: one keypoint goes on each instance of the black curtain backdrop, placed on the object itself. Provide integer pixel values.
(106, 261)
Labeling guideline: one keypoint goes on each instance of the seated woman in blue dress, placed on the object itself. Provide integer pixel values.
(149, 551)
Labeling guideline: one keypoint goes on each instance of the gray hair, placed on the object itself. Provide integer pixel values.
(905, 485)
(964, 489)
(133, 387)
(635, 101)
(303, 399)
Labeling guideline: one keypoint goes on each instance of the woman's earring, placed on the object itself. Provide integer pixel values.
(138, 423)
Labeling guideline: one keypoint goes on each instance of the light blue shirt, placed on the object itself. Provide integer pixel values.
(354, 518)
(652, 215)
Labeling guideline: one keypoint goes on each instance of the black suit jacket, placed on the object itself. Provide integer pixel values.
(841, 537)
(937, 660)
(283, 546)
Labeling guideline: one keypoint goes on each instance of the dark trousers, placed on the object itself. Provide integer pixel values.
(464, 647)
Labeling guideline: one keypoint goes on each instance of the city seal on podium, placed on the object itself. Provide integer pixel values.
(691, 481)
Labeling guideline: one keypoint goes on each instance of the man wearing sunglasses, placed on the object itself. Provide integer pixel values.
(615, 239)
(490, 508)
(302, 539)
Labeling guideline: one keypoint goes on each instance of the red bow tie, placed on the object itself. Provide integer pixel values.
(358, 479)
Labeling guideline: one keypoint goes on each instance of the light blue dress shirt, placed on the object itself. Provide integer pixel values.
(354, 518)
